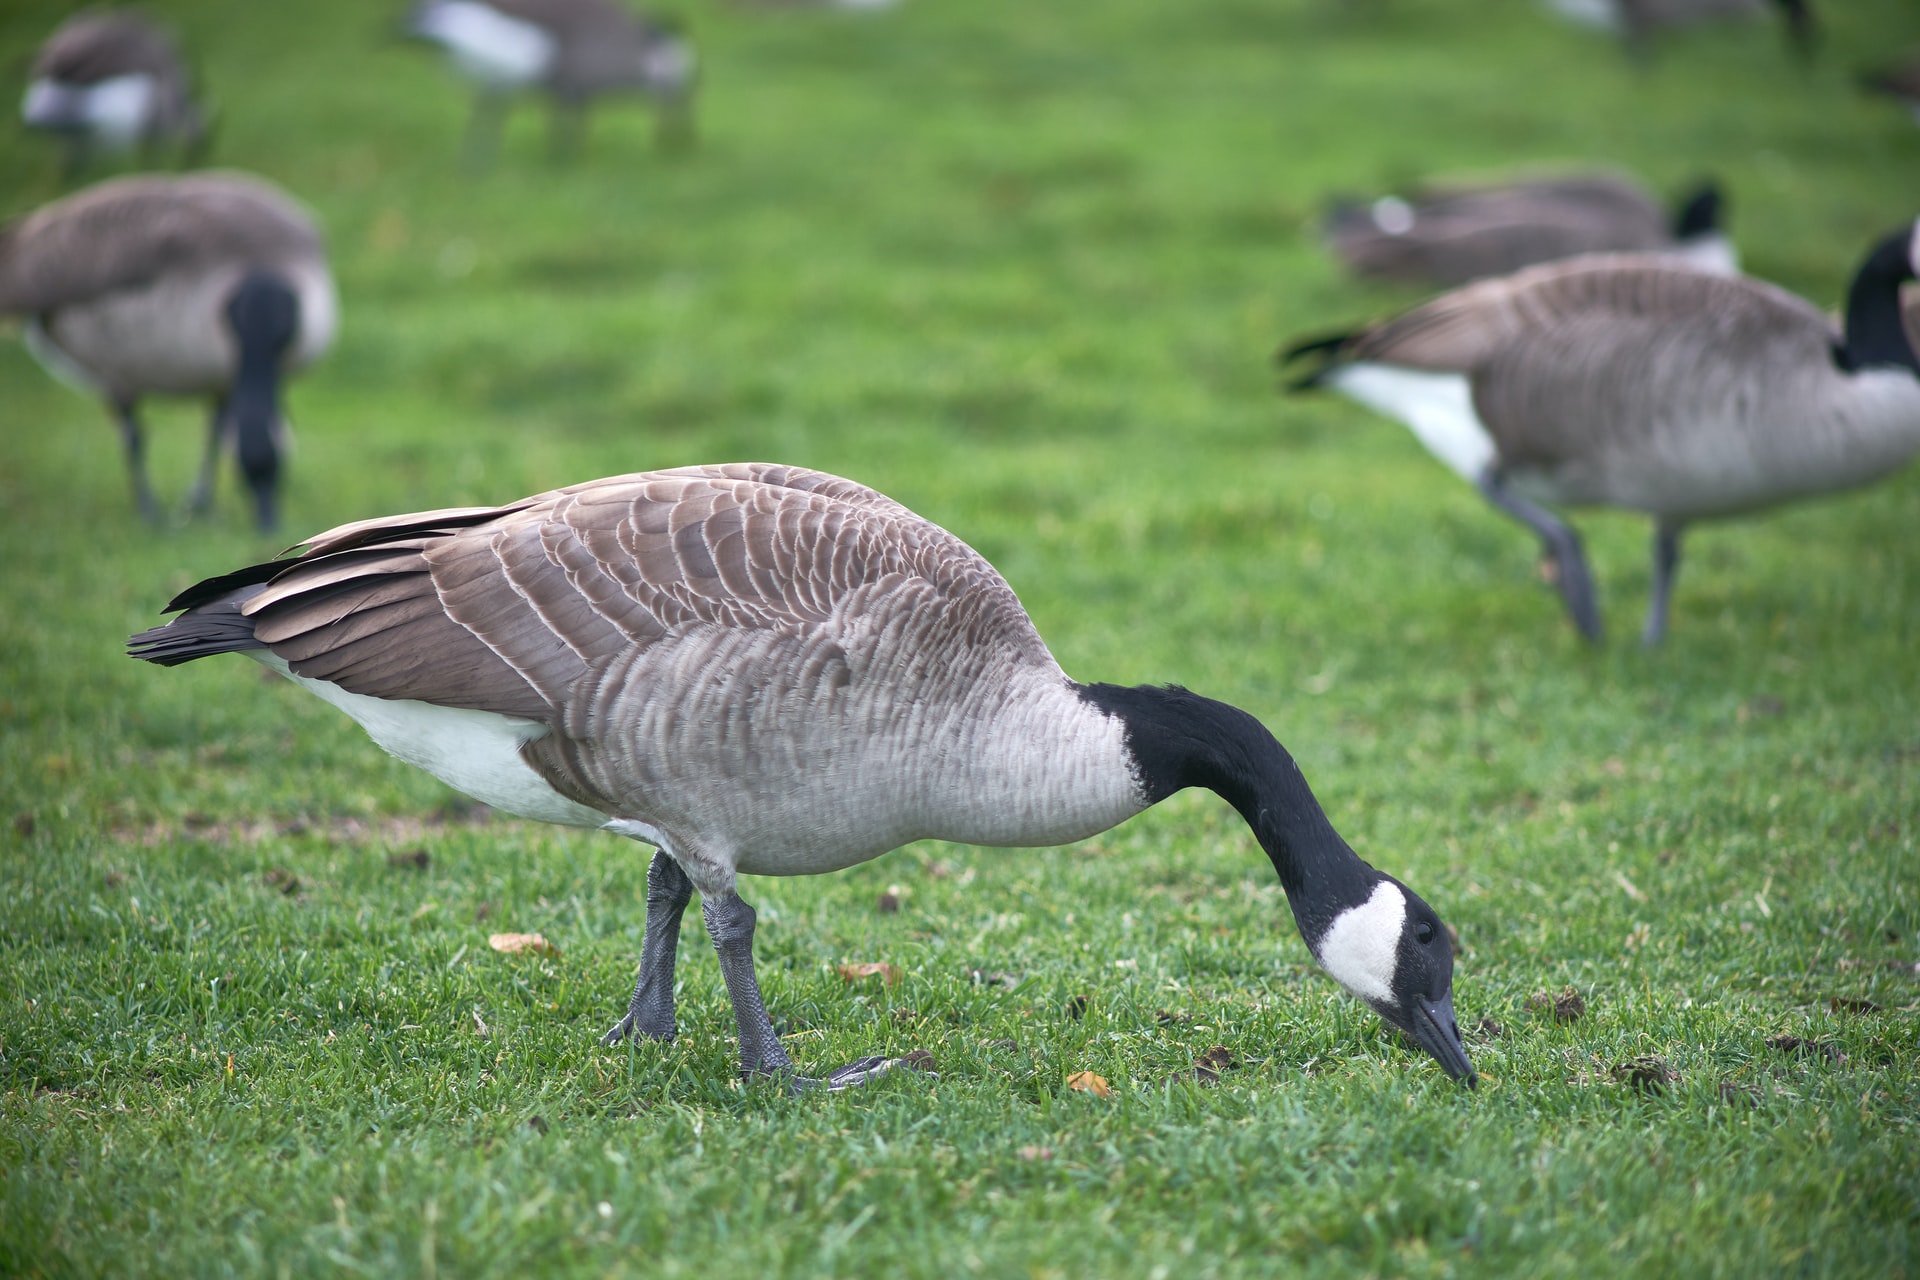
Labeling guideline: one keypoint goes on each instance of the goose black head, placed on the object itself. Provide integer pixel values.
(264, 314)
(1392, 952)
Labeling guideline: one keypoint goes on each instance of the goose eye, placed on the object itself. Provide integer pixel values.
(1423, 933)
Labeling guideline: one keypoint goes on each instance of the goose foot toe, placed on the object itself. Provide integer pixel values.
(630, 1027)
(855, 1074)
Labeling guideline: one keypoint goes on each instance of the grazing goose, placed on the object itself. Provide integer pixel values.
(574, 50)
(1637, 21)
(206, 284)
(1453, 235)
(764, 670)
(115, 80)
(1633, 382)
(1900, 81)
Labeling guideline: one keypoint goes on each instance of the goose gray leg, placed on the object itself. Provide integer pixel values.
(730, 920)
(135, 445)
(1563, 545)
(200, 498)
(650, 1012)
(1666, 560)
(485, 127)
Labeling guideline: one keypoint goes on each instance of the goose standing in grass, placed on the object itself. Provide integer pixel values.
(764, 670)
(574, 50)
(205, 284)
(1632, 382)
(1452, 235)
(112, 80)
(1638, 21)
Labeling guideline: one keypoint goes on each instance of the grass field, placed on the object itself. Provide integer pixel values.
(1021, 267)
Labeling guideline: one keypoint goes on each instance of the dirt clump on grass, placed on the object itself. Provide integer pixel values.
(1648, 1073)
(1567, 1005)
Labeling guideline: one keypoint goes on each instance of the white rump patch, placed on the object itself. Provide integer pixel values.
(115, 110)
(1437, 406)
(1362, 948)
(1712, 253)
(486, 45)
(1392, 215)
(476, 752)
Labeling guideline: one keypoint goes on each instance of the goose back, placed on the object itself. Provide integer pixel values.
(744, 649)
(93, 49)
(598, 46)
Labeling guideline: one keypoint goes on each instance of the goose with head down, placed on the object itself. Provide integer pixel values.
(764, 670)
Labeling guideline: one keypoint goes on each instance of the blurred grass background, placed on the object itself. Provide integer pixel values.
(1021, 267)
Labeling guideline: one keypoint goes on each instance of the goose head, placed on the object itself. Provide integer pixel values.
(1391, 952)
(263, 313)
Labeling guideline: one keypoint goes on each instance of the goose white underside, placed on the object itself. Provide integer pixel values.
(475, 752)
(1361, 949)
(1438, 407)
(114, 111)
(490, 48)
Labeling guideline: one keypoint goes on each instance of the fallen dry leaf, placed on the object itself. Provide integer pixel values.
(1851, 1004)
(1219, 1058)
(515, 943)
(417, 859)
(887, 973)
(1036, 1153)
(1087, 1082)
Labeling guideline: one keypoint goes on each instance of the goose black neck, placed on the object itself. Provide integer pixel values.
(1179, 739)
(1876, 333)
(1700, 215)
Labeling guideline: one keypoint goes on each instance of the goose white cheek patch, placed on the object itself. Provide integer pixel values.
(1362, 947)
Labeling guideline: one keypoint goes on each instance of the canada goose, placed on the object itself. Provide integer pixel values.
(1637, 21)
(574, 50)
(1453, 235)
(205, 284)
(1899, 81)
(1630, 381)
(765, 670)
(114, 79)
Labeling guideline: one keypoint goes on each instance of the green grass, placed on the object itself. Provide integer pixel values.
(1020, 266)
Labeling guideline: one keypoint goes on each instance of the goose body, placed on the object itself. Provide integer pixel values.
(572, 50)
(1454, 235)
(1636, 21)
(114, 80)
(206, 284)
(763, 670)
(1632, 382)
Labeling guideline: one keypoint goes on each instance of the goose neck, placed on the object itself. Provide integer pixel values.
(1876, 334)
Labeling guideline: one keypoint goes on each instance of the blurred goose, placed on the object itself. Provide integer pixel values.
(573, 50)
(1453, 235)
(1637, 21)
(115, 80)
(206, 284)
(1633, 382)
(764, 670)
(1899, 81)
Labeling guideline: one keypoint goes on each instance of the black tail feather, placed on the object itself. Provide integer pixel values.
(1326, 348)
(215, 626)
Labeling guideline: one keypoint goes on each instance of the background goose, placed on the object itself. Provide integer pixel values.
(208, 284)
(115, 80)
(764, 670)
(1637, 21)
(574, 50)
(1629, 381)
(1453, 235)
(1899, 81)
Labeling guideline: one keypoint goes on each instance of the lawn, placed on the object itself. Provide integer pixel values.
(1022, 267)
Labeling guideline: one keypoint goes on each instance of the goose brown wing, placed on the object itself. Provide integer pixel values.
(126, 233)
(515, 610)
